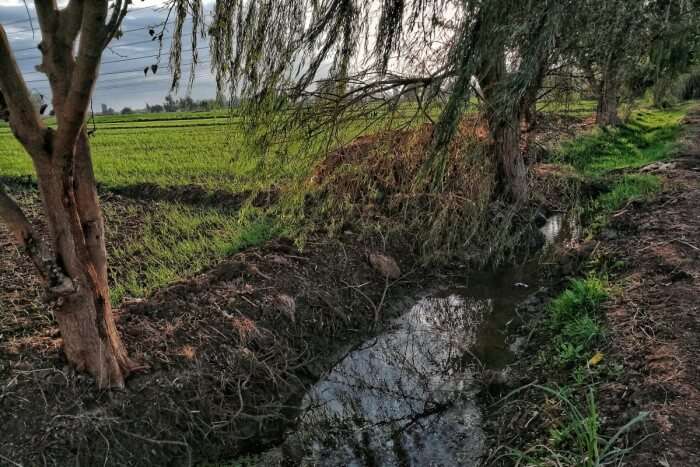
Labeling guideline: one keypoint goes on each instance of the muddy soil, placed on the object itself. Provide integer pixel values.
(656, 320)
(228, 353)
(653, 325)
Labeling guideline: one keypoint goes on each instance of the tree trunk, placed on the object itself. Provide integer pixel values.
(608, 98)
(504, 128)
(90, 338)
(75, 267)
(512, 172)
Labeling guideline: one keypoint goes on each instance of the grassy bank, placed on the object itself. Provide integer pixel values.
(572, 336)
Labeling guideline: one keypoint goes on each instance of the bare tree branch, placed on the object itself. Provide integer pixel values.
(82, 82)
(24, 120)
(13, 217)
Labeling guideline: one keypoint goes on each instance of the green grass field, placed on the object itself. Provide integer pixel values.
(180, 150)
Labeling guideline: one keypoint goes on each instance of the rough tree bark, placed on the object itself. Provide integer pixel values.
(608, 98)
(504, 128)
(74, 266)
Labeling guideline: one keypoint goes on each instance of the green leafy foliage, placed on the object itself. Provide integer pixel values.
(583, 297)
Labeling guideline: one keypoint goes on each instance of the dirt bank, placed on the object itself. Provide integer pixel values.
(228, 354)
(650, 252)
(656, 318)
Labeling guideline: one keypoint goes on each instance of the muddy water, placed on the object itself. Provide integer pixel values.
(406, 397)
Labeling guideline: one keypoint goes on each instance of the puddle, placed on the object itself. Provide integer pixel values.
(406, 397)
(561, 229)
(402, 398)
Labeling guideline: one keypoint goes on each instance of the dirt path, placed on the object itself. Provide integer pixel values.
(655, 322)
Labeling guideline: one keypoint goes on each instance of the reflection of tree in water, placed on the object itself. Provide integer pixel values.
(401, 389)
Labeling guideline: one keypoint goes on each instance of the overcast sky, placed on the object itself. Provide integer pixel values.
(122, 82)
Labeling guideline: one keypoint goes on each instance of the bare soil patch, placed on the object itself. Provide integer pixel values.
(227, 354)
(656, 320)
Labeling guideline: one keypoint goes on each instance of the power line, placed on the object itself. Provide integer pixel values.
(119, 72)
(130, 10)
(147, 41)
(159, 80)
(129, 59)
(130, 84)
(17, 22)
(104, 85)
(125, 31)
(9, 34)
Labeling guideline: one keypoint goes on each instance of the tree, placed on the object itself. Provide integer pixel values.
(610, 43)
(74, 265)
(127, 111)
(510, 51)
(673, 35)
(170, 105)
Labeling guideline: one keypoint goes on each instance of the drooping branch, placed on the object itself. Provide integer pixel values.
(23, 117)
(15, 220)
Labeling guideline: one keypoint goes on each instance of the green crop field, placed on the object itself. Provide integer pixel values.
(174, 239)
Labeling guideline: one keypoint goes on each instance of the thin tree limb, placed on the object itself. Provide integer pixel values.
(15, 220)
(24, 119)
(92, 36)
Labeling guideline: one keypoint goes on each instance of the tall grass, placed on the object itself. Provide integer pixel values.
(577, 440)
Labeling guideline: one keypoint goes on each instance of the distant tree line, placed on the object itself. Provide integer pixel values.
(183, 104)
(186, 104)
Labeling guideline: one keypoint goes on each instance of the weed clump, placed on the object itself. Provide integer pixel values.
(574, 319)
(378, 186)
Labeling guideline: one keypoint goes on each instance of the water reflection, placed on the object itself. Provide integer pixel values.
(406, 397)
(403, 398)
(561, 228)
(552, 228)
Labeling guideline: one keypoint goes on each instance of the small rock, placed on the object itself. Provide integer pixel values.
(385, 265)
(518, 345)
(609, 234)
(286, 304)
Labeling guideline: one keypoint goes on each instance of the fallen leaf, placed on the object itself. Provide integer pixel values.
(595, 359)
